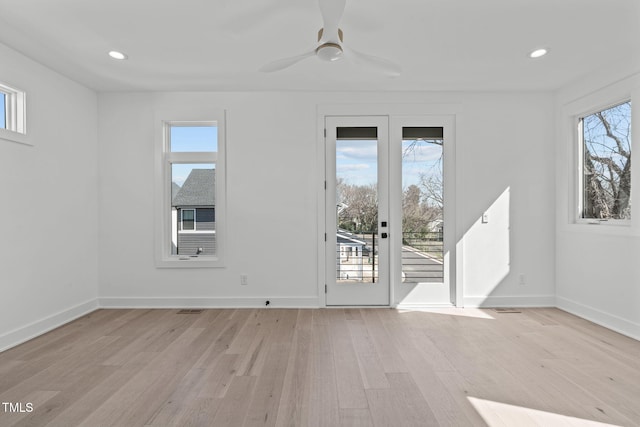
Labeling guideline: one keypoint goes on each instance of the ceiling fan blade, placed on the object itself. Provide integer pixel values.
(384, 65)
(332, 11)
(281, 64)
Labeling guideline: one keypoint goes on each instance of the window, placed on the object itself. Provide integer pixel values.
(3, 110)
(12, 114)
(191, 192)
(188, 219)
(605, 169)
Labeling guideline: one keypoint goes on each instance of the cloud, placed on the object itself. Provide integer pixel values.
(353, 167)
(359, 150)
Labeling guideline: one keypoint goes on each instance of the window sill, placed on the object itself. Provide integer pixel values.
(615, 228)
(11, 136)
(189, 262)
(606, 223)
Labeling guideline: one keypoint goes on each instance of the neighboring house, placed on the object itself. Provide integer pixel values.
(349, 256)
(436, 226)
(194, 214)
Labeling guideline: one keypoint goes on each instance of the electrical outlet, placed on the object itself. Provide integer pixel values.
(521, 280)
(485, 217)
(244, 279)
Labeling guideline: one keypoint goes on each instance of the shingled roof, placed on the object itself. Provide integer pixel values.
(198, 189)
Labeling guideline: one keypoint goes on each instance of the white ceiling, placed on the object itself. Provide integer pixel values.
(220, 44)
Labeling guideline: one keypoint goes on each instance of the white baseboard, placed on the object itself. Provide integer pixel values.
(42, 326)
(415, 306)
(610, 321)
(510, 301)
(293, 302)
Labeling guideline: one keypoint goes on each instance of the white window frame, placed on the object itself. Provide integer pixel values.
(15, 114)
(187, 116)
(579, 164)
(581, 106)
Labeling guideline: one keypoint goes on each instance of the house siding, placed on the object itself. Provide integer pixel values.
(188, 243)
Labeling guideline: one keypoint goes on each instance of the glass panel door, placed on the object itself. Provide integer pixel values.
(356, 198)
(422, 208)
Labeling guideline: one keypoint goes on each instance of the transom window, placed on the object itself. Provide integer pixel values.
(605, 170)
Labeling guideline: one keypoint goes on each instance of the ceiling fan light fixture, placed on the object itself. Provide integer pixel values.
(329, 52)
(538, 53)
(117, 55)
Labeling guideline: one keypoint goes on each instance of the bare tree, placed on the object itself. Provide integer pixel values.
(359, 206)
(430, 188)
(417, 214)
(607, 163)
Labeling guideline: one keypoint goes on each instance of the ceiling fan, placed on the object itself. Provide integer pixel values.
(331, 47)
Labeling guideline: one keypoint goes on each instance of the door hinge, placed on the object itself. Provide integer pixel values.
(325, 237)
(325, 288)
(325, 185)
(325, 132)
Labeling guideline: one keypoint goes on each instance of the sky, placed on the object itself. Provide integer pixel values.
(595, 134)
(3, 123)
(356, 161)
(191, 139)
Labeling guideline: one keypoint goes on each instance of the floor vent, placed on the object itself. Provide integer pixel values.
(506, 310)
(191, 311)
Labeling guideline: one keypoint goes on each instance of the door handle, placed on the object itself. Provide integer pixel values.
(384, 235)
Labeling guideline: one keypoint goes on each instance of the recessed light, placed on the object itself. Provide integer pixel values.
(538, 53)
(117, 55)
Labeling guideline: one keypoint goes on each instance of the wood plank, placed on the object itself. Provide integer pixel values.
(218, 376)
(437, 401)
(347, 370)
(235, 404)
(268, 389)
(355, 418)
(371, 368)
(400, 405)
(294, 407)
(85, 406)
(389, 356)
(323, 397)
(140, 397)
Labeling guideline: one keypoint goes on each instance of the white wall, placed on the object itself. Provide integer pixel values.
(504, 143)
(48, 256)
(598, 273)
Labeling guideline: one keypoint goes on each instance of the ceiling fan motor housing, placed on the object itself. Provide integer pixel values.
(329, 52)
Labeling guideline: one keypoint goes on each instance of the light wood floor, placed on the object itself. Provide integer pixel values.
(332, 367)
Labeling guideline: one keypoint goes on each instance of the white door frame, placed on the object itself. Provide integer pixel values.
(450, 114)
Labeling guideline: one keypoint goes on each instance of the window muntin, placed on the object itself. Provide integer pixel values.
(605, 164)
